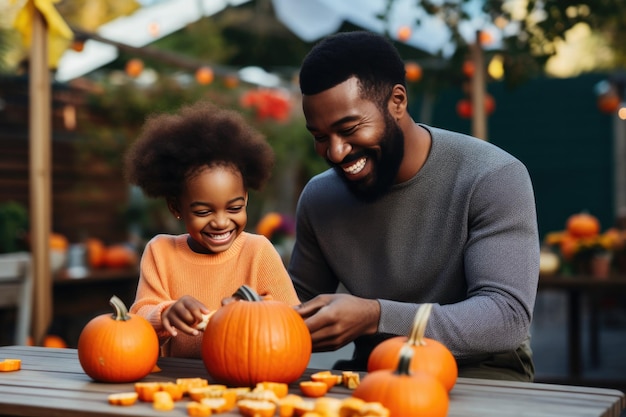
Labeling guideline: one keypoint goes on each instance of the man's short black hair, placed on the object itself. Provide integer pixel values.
(369, 57)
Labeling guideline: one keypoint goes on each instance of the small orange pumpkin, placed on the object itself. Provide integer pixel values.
(582, 225)
(58, 242)
(122, 347)
(118, 256)
(431, 356)
(405, 393)
(95, 252)
(254, 340)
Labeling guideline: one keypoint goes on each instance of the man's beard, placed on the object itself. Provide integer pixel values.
(385, 166)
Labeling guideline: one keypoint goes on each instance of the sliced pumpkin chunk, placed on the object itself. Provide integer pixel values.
(279, 388)
(350, 379)
(313, 389)
(188, 383)
(327, 377)
(256, 408)
(217, 405)
(287, 405)
(327, 406)
(374, 409)
(175, 390)
(123, 398)
(10, 365)
(197, 409)
(351, 407)
(146, 390)
(303, 407)
(163, 401)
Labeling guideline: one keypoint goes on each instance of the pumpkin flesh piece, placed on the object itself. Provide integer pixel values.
(123, 398)
(163, 401)
(10, 365)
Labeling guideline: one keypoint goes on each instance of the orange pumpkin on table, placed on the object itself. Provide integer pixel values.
(122, 347)
(404, 392)
(254, 340)
(430, 355)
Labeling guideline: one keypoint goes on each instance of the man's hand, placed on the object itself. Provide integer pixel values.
(335, 320)
(184, 315)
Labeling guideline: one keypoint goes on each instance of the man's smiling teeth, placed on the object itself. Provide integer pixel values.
(220, 236)
(356, 167)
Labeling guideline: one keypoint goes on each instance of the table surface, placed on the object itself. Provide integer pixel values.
(579, 288)
(582, 282)
(62, 277)
(52, 383)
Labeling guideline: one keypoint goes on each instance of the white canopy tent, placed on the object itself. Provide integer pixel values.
(141, 28)
(313, 19)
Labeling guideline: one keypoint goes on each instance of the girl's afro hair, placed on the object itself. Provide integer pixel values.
(172, 147)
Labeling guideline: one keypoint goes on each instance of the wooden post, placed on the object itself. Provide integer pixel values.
(40, 156)
(478, 87)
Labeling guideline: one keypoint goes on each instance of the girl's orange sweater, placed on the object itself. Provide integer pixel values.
(170, 269)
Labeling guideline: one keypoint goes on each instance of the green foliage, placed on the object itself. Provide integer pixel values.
(202, 40)
(13, 227)
(7, 39)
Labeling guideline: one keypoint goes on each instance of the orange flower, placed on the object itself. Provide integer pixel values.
(268, 224)
(268, 103)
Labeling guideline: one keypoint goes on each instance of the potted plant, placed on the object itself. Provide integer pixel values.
(13, 227)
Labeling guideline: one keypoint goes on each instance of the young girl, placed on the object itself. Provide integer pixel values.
(202, 161)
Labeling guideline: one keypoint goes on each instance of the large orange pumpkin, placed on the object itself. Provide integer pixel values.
(122, 347)
(430, 356)
(405, 392)
(582, 225)
(254, 340)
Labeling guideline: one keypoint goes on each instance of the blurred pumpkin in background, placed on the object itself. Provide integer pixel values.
(582, 224)
(95, 252)
(58, 251)
(119, 256)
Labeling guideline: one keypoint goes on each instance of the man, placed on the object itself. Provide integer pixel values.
(409, 214)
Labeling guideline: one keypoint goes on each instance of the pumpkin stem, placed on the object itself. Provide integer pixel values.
(416, 337)
(246, 293)
(121, 312)
(404, 362)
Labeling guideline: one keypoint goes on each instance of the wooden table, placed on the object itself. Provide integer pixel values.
(52, 383)
(575, 288)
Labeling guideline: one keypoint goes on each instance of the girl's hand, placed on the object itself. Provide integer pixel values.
(184, 315)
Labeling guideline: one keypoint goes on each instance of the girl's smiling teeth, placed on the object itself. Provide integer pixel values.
(356, 167)
(221, 236)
